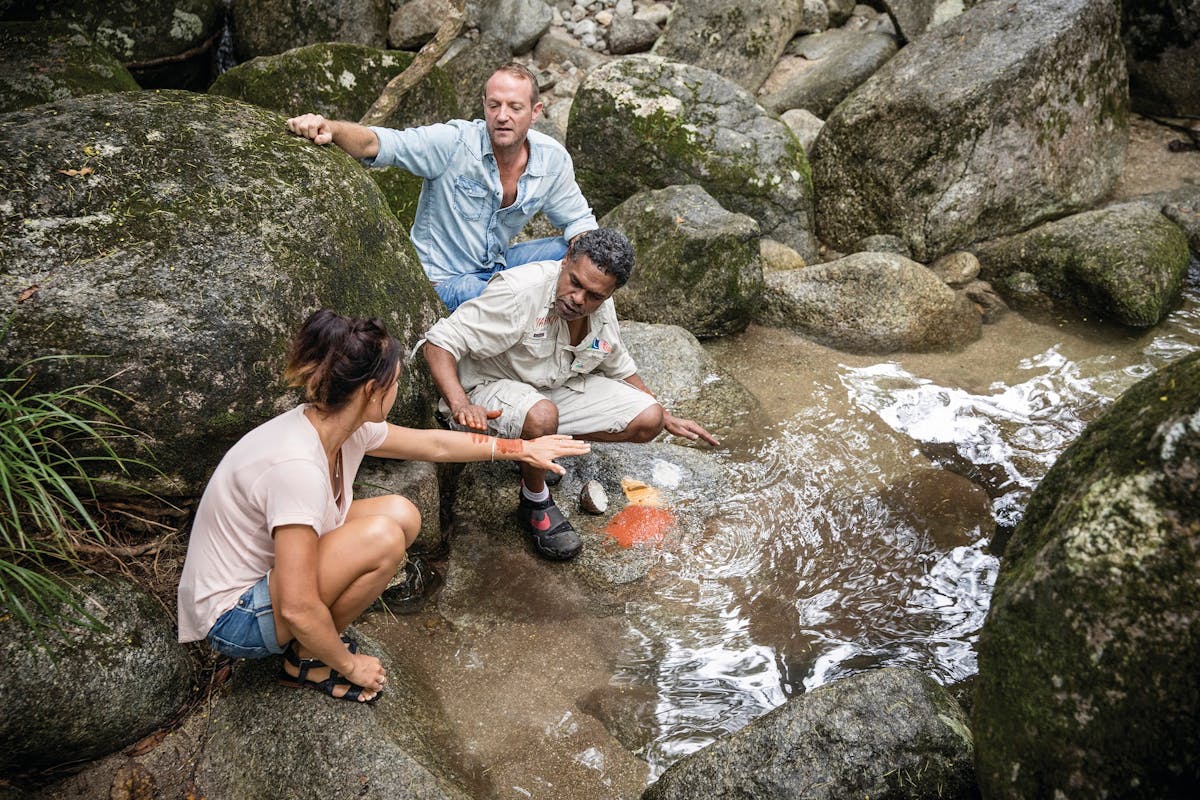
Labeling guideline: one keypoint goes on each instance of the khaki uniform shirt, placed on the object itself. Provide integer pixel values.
(511, 332)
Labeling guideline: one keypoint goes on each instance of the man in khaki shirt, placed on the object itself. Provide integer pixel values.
(540, 352)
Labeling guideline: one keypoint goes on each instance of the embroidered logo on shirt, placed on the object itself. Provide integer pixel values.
(600, 345)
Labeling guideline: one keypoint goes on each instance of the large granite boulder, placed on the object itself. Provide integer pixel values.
(686, 379)
(818, 71)
(519, 23)
(338, 81)
(470, 67)
(165, 43)
(185, 254)
(888, 734)
(266, 27)
(871, 303)
(739, 39)
(913, 17)
(698, 265)
(266, 741)
(1162, 44)
(341, 81)
(642, 122)
(45, 61)
(1090, 655)
(1002, 117)
(1125, 262)
(75, 693)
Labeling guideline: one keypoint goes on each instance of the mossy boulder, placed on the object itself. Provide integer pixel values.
(687, 380)
(266, 27)
(643, 122)
(75, 693)
(186, 254)
(341, 81)
(1000, 118)
(698, 265)
(166, 43)
(1162, 44)
(45, 61)
(741, 41)
(1125, 263)
(1090, 655)
(891, 734)
(266, 741)
(871, 303)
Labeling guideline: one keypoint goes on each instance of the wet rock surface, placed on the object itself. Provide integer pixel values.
(1088, 658)
(888, 733)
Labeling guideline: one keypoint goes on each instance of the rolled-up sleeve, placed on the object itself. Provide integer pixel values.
(484, 327)
(565, 205)
(425, 151)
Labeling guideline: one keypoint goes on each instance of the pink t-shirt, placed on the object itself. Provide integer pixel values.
(276, 474)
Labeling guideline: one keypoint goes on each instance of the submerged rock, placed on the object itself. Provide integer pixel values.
(1125, 262)
(44, 61)
(1089, 657)
(491, 557)
(184, 256)
(741, 41)
(1003, 116)
(75, 694)
(698, 265)
(642, 122)
(871, 303)
(888, 734)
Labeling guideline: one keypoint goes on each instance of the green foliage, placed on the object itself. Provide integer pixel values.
(56, 450)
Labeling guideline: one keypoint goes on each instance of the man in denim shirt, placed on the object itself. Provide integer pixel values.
(483, 181)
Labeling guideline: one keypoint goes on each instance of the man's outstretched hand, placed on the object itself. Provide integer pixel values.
(677, 426)
(475, 417)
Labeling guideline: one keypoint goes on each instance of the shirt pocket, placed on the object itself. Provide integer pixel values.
(540, 359)
(469, 197)
(586, 361)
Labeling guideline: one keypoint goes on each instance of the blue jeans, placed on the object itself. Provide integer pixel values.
(456, 291)
(248, 629)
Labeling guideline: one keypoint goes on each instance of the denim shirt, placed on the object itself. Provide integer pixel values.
(460, 226)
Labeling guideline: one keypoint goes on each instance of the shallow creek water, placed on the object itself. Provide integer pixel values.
(841, 550)
(851, 540)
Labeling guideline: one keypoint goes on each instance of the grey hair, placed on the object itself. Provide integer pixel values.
(608, 249)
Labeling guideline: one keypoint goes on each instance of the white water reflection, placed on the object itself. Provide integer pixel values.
(811, 572)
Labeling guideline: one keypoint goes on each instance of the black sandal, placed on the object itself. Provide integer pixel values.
(328, 686)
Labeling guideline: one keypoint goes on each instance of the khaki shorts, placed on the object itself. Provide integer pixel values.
(603, 406)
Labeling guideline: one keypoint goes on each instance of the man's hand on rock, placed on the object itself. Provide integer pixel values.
(677, 426)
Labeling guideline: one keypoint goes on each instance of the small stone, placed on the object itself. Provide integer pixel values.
(593, 499)
(604, 18)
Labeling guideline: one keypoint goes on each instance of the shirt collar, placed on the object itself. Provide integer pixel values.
(535, 166)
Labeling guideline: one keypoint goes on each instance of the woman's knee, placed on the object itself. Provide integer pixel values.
(403, 511)
(542, 420)
(385, 538)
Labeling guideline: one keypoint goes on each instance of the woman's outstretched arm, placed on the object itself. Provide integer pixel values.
(432, 444)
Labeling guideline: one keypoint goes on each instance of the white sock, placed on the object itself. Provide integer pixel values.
(535, 497)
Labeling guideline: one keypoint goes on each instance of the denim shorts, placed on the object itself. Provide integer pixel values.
(248, 629)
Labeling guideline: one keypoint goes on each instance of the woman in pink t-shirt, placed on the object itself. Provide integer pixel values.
(281, 558)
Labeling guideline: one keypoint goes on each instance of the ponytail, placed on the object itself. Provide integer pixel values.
(332, 356)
